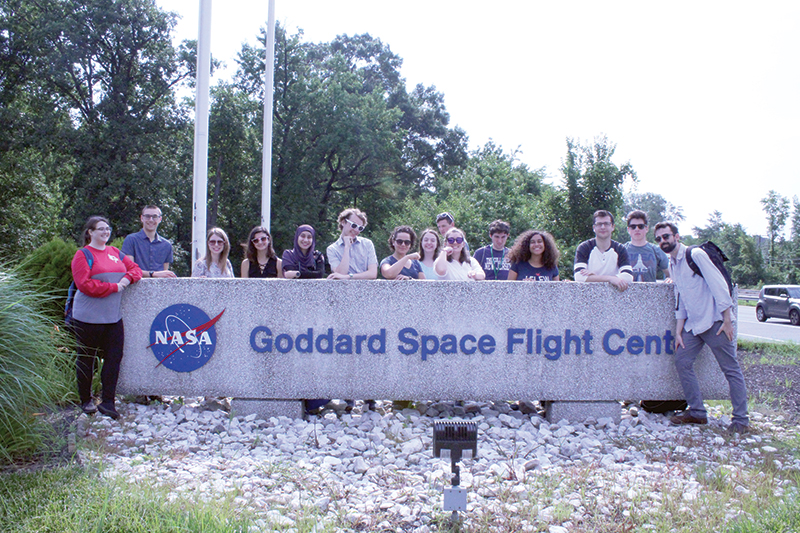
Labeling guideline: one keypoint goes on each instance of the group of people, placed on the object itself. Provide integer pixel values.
(703, 312)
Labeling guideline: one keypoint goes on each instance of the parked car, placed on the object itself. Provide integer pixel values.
(779, 301)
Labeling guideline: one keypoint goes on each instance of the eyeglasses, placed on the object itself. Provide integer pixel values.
(103, 230)
(151, 217)
(663, 237)
(453, 240)
(637, 226)
(359, 227)
(216, 242)
(602, 224)
(403, 242)
(260, 239)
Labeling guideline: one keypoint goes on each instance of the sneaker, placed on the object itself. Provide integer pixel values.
(89, 408)
(108, 410)
(737, 427)
(686, 418)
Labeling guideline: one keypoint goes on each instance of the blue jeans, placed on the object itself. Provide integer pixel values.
(725, 352)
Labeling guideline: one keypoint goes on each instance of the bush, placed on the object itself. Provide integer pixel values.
(35, 368)
(49, 267)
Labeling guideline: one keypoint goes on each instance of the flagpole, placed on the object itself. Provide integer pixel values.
(200, 192)
(266, 157)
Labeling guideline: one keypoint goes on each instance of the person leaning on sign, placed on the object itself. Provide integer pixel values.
(602, 259)
(148, 249)
(493, 258)
(704, 317)
(402, 265)
(304, 261)
(534, 257)
(260, 258)
(352, 256)
(97, 318)
(215, 264)
(454, 261)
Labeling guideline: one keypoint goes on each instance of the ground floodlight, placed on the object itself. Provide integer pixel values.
(455, 440)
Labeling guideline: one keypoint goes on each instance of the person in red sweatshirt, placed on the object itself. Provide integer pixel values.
(97, 318)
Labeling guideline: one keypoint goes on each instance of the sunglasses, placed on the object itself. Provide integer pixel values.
(260, 239)
(637, 226)
(359, 227)
(453, 240)
(444, 216)
(403, 242)
(216, 242)
(663, 237)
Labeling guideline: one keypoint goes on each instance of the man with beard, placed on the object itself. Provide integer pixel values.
(704, 317)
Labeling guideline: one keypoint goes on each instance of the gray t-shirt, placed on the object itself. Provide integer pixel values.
(646, 261)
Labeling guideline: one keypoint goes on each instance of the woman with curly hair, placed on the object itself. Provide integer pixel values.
(261, 260)
(402, 265)
(534, 257)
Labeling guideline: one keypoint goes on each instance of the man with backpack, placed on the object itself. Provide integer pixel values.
(704, 317)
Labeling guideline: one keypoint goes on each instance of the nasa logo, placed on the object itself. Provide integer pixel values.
(183, 337)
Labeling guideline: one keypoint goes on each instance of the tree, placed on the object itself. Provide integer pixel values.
(346, 131)
(113, 67)
(656, 206)
(746, 263)
(591, 182)
(493, 185)
(776, 208)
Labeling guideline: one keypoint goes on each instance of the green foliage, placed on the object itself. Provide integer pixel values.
(493, 185)
(657, 208)
(746, 264)
(346, 132)
(49, 267)
(776, 207)
(34, 372)
(591, 182)
(72, 500)
(780, 517)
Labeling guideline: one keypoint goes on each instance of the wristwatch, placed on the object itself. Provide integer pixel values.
(351, 276)
(151, 273)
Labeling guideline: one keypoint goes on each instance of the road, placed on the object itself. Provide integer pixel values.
(773, 330)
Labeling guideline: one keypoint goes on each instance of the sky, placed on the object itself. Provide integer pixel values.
(702, 98)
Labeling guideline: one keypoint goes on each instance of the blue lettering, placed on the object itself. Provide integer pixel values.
(587, 339)
(569, 339)
(405, 336)
(668, 338)
(328, 338)
(308, 339)
(486, 344)
(261, 339)
(380, 339)
(281, 346)
(552, 346)
(635, 344)
(512, 338)
(607, 338)
(360, 339)
(463, 344)
(344, 344)
(449, 344)
(649, 341)
(429, 351)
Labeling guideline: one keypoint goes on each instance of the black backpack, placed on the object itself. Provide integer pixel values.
(717, 257)
(73, 288)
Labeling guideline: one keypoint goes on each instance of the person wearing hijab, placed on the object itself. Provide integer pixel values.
(304, 260)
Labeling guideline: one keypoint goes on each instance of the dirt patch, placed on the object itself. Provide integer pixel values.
(776, 387)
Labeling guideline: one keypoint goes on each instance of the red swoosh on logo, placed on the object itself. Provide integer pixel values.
(199, 329)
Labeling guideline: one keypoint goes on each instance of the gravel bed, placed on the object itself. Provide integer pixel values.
(374, 471)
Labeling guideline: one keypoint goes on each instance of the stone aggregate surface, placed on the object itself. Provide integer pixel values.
(374, 470)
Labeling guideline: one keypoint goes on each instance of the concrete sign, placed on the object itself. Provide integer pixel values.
(404, 340)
